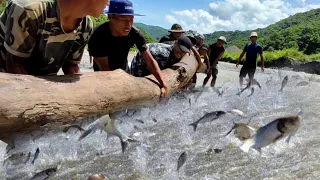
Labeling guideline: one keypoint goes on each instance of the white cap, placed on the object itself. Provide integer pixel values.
(254, 34)
(222, 38)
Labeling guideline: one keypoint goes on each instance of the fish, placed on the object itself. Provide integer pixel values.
(284, 83)
(238, 112)
(107, 123)
(140, 121)
(303, 83)
(66, 129)
(181, 160)
(242, 131)
(14, 157)
(97, 177)
(217, 90)
(254, 82)
(190, 102)
(45, 174)
(36, 154)
(130, 112)
(272, 132)
(241, 91)
(252, 91)
(207, 118)
(154, 120)
(28, 158)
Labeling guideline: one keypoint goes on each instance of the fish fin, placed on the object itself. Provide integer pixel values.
(194, 125)
(252, 128)
(85, 134)
(229, 132)
(247, 145)
(259, 150)
(124, 145)
(277, 138)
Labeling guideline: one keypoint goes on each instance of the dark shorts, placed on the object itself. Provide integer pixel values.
(246, 70)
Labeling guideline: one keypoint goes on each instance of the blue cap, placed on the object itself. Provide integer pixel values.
(121, 7)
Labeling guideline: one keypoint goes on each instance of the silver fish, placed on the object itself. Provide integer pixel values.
(36, 155)
(238, 112)
(97, 177)
(252, 91)
(107, 123)
(207, 118)
(242, 131)
(182, 159)
(284, 83)
(272, 132)
(303, 83)
(45, 174)
(219, 91)
(28, 158)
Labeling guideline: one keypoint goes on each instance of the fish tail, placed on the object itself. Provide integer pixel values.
(194, 125)
(247, 145)
(85, 134)
(124, 145)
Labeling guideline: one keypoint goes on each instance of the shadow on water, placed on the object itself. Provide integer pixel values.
(163, 134)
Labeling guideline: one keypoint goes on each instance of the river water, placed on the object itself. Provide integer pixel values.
(163, 134)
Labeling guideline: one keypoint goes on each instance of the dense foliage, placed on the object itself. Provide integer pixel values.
(300, 31)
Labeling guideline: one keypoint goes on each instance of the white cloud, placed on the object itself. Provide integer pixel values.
(236, 15)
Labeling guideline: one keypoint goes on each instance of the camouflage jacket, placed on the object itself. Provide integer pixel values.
(162, 53)
(31, 30)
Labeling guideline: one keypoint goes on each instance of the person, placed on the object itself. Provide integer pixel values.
(197, 55)
(166, 55)
(110, 43)
(251, 50)
(175, 32)
(40, 37)
(215, 52)
(200, 39)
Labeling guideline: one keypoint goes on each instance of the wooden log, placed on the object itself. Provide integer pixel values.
(28, 102)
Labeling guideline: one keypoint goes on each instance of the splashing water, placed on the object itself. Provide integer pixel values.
(162, 141)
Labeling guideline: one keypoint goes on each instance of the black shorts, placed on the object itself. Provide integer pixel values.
(247, 70)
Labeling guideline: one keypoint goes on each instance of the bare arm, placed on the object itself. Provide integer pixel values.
(197, 55)
(218, 58)
(15, 64)
(153, 67)
(103, 63)
(240, 58)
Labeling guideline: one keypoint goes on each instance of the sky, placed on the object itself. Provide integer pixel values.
(207, 16)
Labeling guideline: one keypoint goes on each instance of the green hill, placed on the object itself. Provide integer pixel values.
(300, 31)
(156, 32)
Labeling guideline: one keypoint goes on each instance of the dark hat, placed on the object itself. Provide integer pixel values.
(184, 44)
(176, 28)
(121, 7)
(205, 47)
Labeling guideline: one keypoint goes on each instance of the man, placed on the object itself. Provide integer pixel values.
(166, 55)
(40, 37)
(175, 32)
(197, 55)
(111, 42)
(215, 52)
(251, 50)
(200, 39)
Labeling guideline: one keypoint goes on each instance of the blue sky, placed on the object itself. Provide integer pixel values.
(211, 15)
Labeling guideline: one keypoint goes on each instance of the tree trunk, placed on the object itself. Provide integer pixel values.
(28, 102)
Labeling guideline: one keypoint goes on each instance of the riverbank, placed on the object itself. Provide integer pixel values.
(289, 59)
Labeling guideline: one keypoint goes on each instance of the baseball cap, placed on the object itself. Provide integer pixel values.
(222, 38)
(199, 36)
(121, 7)
(185, 44)
(176, 28)
(254, 34)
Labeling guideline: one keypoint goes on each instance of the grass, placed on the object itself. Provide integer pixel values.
(269, 56)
